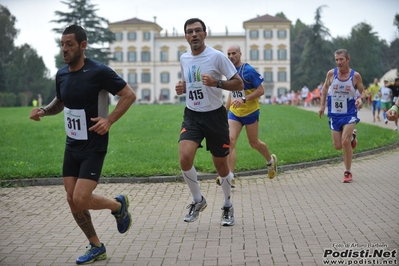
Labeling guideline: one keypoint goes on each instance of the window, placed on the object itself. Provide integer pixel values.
(131, 36)
(282, 75)
(179, 54)
(132, 78)
(268, 54)
(164, 95)
(132, 56)
(146, 77)
(164, 56)
(254, 55)
(145, 56)
(281, 91)
(267, 34)
(179, 75)
(146, 94)
(164, 77)
(282, 34)
(268, 75)
(147, 36)
(118, 56)
(268, 93)
(253, 34)
(119, 36)
(282, 54)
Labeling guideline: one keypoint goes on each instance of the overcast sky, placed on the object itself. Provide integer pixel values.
(339, 16)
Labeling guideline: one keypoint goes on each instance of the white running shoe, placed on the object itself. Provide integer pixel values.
(195, 209)
(228, 216)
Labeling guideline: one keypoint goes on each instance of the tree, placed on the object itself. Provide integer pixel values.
(8, 33)
(367, 52)
(316, 56)
(27, 74)
(98, 35)
(394, 48)
(396, 21)
(299, 35)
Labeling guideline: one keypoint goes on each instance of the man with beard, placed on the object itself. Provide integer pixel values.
(343, 90)
(82, 88)
(202, 70)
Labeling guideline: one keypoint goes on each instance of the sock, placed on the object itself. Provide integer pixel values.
(384, 115)
(190, 177)
(225, 183)
(271, 161)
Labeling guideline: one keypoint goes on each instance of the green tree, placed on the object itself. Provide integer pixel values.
(98, 35)
(8, 33)
(316, 56)
(299, 35)
(393, 53)
(367, 52)
(27, 74)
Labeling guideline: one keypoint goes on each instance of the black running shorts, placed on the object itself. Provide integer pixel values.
(87, 165)
(212, 126)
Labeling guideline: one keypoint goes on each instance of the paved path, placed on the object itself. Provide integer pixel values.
(291, 220)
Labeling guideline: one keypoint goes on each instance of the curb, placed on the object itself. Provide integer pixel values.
(161, 179)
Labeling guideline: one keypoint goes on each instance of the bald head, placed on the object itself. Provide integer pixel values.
(235, 47)
(234, 54)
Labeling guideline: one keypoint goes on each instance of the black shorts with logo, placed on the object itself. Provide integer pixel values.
(87, 165)
(212, 126)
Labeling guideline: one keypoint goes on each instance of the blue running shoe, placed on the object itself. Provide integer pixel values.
(123, 218)
(92, 254)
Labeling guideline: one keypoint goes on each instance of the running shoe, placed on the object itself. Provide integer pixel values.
(92, 254)
(233, 181)
(272, 167)
(354, 140)
(123, 218)
(386, 121)
(228, 216)
(194, 209)
(347, 177)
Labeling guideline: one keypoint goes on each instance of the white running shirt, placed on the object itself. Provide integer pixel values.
(201, 98)
(385, 94)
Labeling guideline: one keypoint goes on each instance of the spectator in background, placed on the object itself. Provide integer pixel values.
(304, 94)
(386, 100)
(375, 101)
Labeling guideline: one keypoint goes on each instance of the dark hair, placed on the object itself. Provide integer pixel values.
(192, 21)
(80, 33)
(344, 52)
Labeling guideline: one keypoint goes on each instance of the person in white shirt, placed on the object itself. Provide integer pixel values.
(304, 94)
(386, 99)
(205, 116)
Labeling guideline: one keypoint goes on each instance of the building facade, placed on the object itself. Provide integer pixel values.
(149, 59)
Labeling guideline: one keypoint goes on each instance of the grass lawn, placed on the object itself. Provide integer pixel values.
(144, 142)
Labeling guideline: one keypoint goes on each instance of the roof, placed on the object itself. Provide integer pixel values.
(132, 21)
(267, 18)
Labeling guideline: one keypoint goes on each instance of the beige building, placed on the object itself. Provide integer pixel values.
(148, 58)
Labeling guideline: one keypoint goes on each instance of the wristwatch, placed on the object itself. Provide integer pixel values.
(244, 100)
(220, 84)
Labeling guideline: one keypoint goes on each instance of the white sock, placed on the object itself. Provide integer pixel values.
(271, 161)
(191, 179)
(225, 183)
